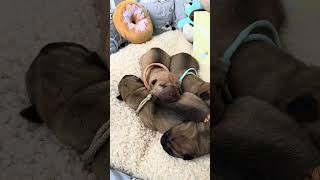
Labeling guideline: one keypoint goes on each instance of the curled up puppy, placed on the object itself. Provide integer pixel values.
(183, 68)
(66, 85)
(186, 67)
(188, 140)
(157, 77)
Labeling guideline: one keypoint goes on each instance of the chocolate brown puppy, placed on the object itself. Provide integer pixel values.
(178, 65)
(157, 77)
(67, 88)
(156, 114)
(255, 140)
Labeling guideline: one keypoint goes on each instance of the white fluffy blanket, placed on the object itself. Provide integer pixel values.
(135, 149)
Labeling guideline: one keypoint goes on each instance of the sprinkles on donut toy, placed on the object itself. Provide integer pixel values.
(133, 22)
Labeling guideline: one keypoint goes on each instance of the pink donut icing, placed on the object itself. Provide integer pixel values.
(135, 19)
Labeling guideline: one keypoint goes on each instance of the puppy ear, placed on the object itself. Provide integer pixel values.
(140, 80)
(303, 108)
(120, 98)
(95, 59)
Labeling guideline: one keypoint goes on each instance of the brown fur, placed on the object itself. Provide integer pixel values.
(164, 84)
(187, 140)
(242, 146)
(275, 76)
(230, 17)
(67, 85)
(157, 115)
(179, 64)
(314, 175)
(255, 140)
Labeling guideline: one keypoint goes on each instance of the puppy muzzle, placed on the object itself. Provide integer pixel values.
(168, 94)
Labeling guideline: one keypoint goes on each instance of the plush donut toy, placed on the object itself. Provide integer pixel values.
(133, 22)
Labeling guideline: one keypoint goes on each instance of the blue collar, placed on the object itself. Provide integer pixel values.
(190, 71)
(245, 36)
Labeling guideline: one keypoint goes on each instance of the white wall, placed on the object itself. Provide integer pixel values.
(302, 34)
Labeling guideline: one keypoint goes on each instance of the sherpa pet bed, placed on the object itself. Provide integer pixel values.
(135, 149)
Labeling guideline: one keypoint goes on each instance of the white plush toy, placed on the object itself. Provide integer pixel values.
(186, 24)
(187, 31)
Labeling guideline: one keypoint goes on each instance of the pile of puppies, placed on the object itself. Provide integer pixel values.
(270, 130)
(172, 102)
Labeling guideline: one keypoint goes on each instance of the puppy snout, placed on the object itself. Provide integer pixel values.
(169, 94)
(164, 139)
(165, 144)
(187, 157)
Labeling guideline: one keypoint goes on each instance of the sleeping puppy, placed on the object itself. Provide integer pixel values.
(187, 140)
(275, 76)
(230, 18)
(163, 83)
(178, 65)
(67, 88)
(256, 141)
(156, 114)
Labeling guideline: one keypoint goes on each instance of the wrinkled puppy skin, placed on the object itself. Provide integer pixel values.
(178, 65)
(156, 114)
(254, 140)
(187, 140)
(165, 84)
(66, 85)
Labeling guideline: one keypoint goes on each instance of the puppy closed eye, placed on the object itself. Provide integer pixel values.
(154, 82)
(205, 96)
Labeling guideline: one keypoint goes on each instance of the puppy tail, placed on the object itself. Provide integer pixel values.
(31, 114)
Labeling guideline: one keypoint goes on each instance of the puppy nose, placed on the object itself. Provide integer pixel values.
(170, 94)
(187, 157)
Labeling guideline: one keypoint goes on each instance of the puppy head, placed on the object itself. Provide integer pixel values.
(155, 55)
(187, 140)
(165, 86)
(127, 85)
